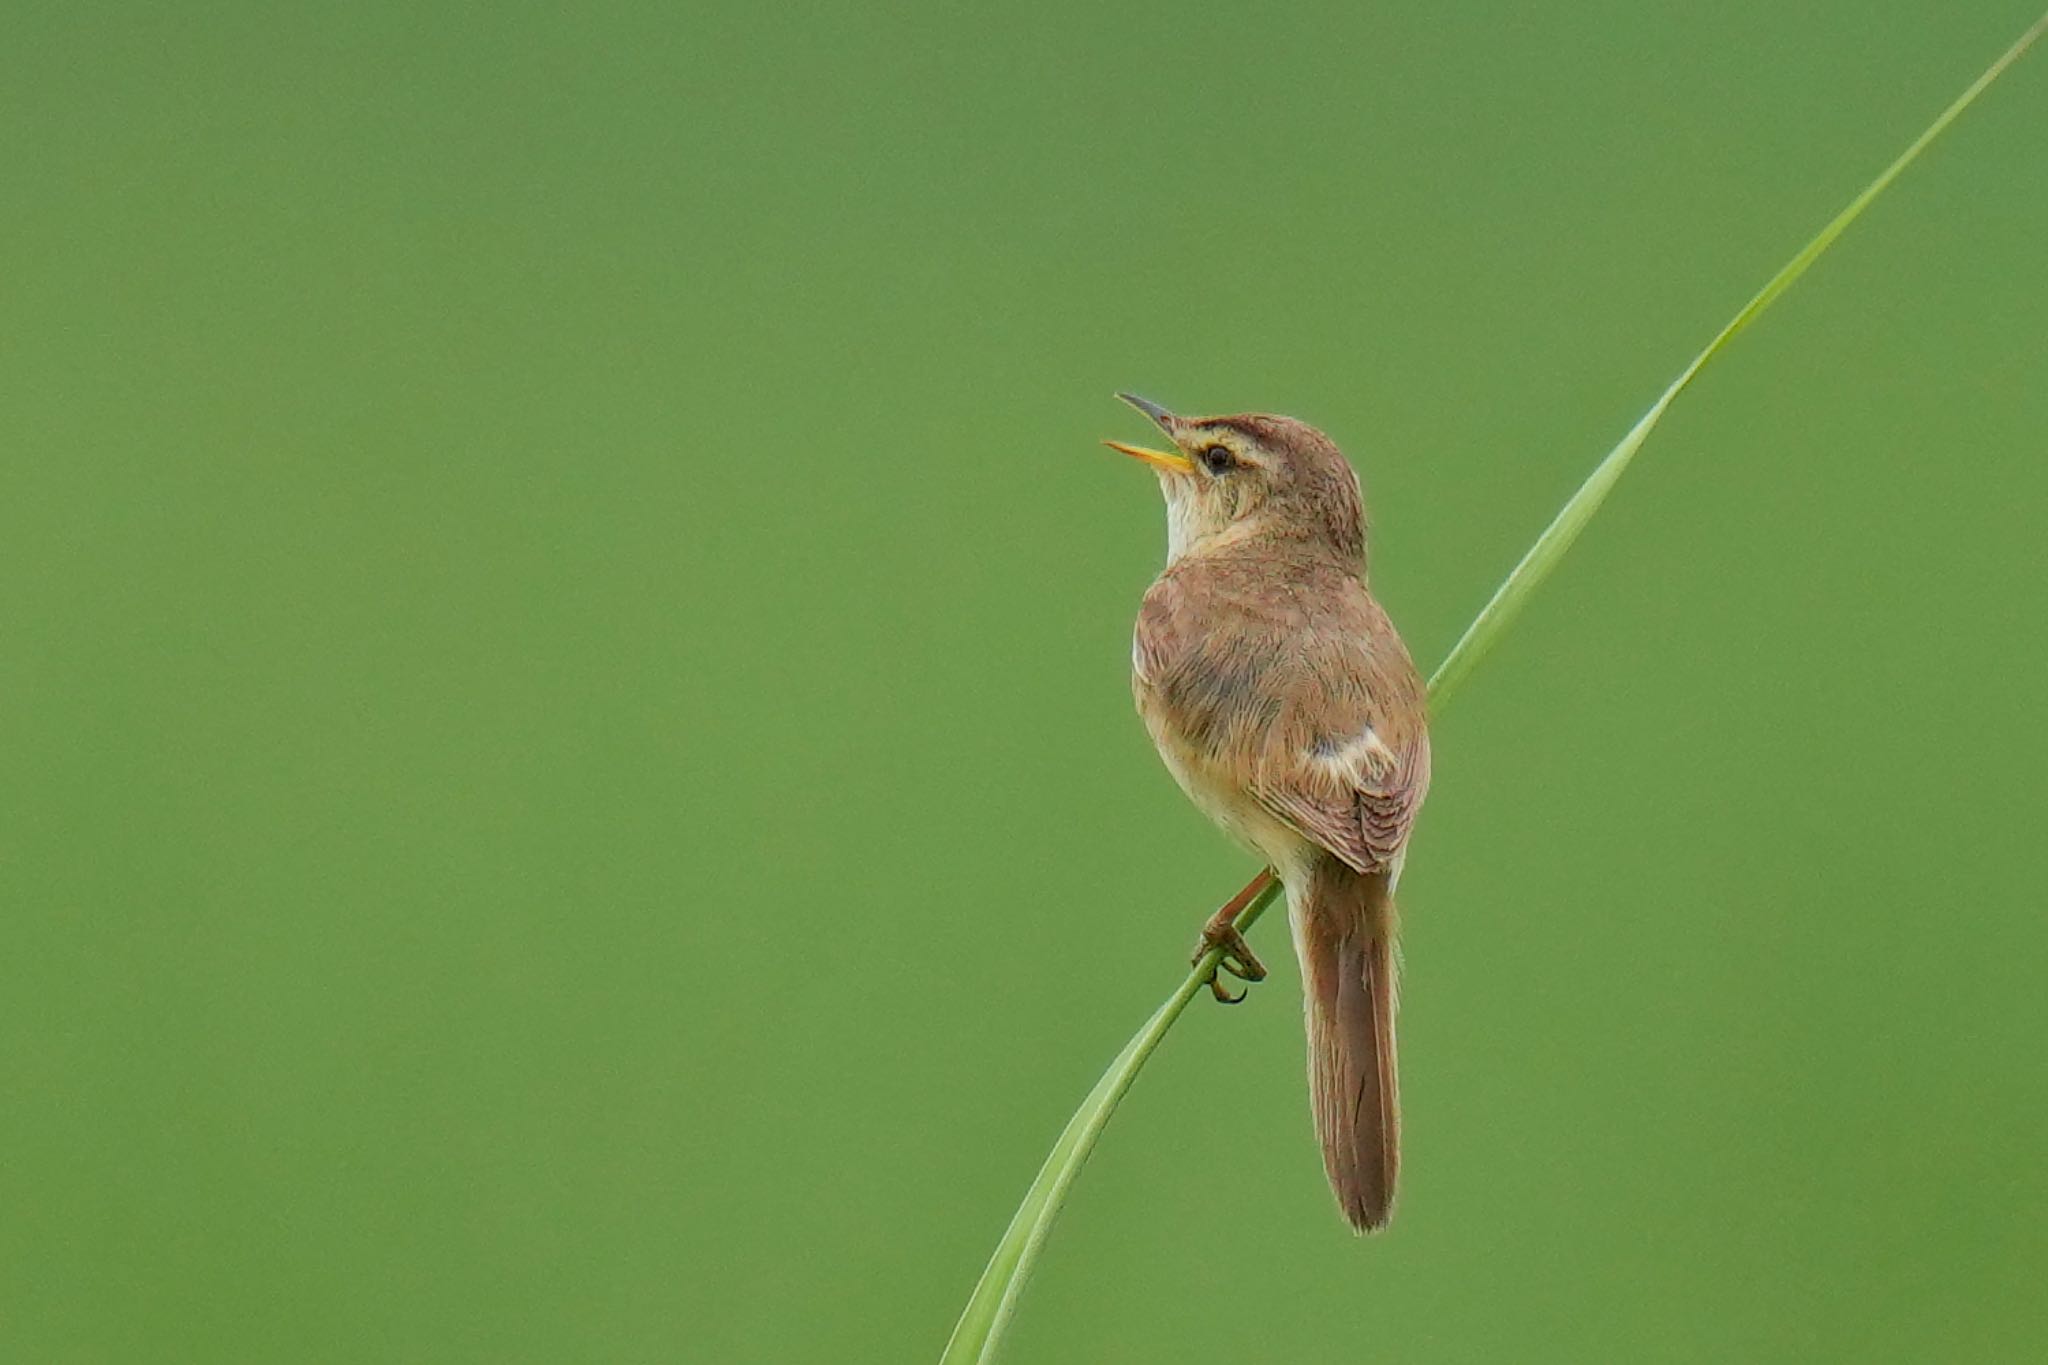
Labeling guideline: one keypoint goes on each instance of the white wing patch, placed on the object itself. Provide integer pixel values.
(1359, 761)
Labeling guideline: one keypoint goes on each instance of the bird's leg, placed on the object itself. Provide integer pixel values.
(1237, 956)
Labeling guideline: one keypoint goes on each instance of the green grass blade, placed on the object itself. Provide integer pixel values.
(995, 1297)
(980, 1329)
(1557, 538)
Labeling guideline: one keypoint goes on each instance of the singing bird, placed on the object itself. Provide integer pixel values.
(1286, 706)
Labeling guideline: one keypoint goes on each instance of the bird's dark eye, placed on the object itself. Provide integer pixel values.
(1216, 459)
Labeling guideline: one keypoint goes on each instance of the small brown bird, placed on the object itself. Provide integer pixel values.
(1288, 709)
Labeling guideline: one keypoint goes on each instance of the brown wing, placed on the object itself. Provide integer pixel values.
(1346, 757)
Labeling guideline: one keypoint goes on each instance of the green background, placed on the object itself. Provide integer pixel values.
(569, 791)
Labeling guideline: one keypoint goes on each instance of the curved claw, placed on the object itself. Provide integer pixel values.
(1241, 968)
(1222, 992)
(1236, 957)
(1233, 955)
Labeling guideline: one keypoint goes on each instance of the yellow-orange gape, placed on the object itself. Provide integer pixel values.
(1287, 708)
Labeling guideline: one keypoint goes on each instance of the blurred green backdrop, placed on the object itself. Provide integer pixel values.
(569, 787)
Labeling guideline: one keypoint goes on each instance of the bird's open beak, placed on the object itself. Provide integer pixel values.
(1158, 459)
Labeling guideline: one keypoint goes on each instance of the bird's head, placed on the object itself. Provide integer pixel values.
(1251, 475)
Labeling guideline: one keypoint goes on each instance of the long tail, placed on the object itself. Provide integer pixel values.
(1344, 934)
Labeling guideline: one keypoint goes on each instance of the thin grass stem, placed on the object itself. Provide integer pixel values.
(989, 1310)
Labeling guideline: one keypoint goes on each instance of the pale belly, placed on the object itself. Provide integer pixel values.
(1217, 794)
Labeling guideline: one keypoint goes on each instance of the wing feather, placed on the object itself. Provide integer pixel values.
(1347, 762)
(1306, 699)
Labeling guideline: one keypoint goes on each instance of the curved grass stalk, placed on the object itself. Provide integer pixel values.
(982, 1323)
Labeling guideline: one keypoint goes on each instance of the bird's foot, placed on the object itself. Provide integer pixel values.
(1237, 957)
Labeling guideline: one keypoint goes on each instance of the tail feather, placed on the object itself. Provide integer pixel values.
(1344, 933)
